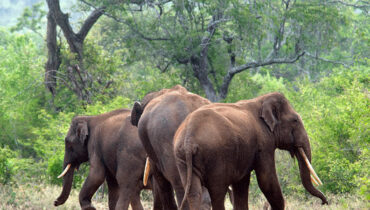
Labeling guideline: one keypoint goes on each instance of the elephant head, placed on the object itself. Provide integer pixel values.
(286, 126)
(75, 154)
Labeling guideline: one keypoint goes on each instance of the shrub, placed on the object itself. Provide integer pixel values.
(6, 171)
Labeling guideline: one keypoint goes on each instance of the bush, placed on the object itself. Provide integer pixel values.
(6, 170)
(55, 167)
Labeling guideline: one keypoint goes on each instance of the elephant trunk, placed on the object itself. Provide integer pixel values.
(304, 169)
(67, 185)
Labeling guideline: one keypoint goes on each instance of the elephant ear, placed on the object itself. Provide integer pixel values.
(82, 131)
(136, 112)
(269, 112)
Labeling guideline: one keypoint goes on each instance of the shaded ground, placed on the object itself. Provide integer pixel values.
(34, 196)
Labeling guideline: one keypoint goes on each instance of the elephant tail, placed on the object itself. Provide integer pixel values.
(189, 172)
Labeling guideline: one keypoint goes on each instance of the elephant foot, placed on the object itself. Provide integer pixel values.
(325, 202)
(89, 207)
(58, 202)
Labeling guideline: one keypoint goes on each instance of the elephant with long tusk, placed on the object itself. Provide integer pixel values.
(113, 149)
(219, 145)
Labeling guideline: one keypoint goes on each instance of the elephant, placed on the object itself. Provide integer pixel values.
(112, 147)
(157, 117)
(220, 144)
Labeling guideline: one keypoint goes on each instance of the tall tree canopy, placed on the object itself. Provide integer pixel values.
(212, 41)
(215, 40)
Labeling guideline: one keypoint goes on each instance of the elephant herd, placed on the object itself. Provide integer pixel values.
(190, 149)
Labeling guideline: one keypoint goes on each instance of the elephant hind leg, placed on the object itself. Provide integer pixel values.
(240, 193)
(112, 191)
(135, 198)
(127, 189)
(157, 204)
(164, 190)
(194, 197)
(217, 194)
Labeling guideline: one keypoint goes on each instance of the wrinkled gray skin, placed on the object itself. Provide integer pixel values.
(112, 147)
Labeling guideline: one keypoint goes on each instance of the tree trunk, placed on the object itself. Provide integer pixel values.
(199, 65)
(75, 42)
(53, 62)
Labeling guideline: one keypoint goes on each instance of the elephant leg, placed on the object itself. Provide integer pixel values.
(93, 181)
(206, 200)
(217, 194)
(268, 182)
(112, 191)
(127, 185)
(240, 193)
(135, 198)
(164, 189)
(194, 198)
(179, 192)
(157, 204)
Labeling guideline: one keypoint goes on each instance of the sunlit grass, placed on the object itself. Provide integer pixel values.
(42, 196)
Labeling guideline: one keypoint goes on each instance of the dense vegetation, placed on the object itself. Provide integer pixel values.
(328, 86)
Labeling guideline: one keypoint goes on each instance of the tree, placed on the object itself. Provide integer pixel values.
(77, 75)
(216, 40)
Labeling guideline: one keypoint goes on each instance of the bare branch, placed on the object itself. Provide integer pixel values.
(279, 39)
(211, 29)
(235, 70)
(89, 22)
(134, 29)
(246, 66)
(327, 60)
(365, 6)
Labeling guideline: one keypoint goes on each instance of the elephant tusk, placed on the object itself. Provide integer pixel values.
(314, 175)
(314, 181)
(146, 171)
(65, 171)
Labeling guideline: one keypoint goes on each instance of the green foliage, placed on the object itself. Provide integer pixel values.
(32, 19)
(55, 165)
(27, 170)
(6, 171)
(21, 87)
(246, 86)
(362, 178)
(336, 115)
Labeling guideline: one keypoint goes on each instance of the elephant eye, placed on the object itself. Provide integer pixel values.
(295, 119)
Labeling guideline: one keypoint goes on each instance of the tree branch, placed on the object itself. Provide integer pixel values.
(75, 41)
(327, 60)
(89, 22)
(230, 74)
(241, 68)
(119, 20)
(211, 29)
(364, 6)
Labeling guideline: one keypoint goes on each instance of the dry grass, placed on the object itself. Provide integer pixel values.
(35, 196)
